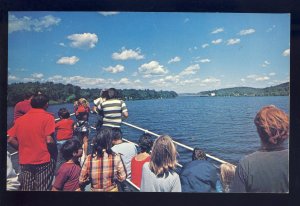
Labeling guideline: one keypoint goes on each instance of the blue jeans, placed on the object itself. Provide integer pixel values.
(60, 158)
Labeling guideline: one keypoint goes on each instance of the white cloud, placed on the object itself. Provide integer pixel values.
(233, 41)
(217, 41)
(116, 69)
(190, 70)
(29, 80)
(12, 78)
(68, 60)
(286, 52)
(211, 80)
(83, 41)
(128, 54)
(26, 23)
(124, 81)
(62, 44)
(205, 45)
(203, 60)
(152, 68)
(258, 78)
(246, 32)
(265, 64)
(243, 80)
(175, 59)
(217, 31)
(37, 75)
(108, 13)
(137, 81)
(272, 74)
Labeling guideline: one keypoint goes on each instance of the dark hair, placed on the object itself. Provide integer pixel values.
(112, 93)
(117, 133)
(272, 125)
(69, 147)
(39, 101)
(103, 141)
(104, 94)
(198, 154)
(145, 142)
(64, 113)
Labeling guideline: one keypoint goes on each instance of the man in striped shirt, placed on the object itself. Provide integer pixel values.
(113, 110)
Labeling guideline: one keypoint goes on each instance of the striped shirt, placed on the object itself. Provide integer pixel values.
(104, 171)
(112, 110)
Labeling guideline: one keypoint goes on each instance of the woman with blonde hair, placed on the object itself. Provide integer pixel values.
(159, 174)
(266, 170)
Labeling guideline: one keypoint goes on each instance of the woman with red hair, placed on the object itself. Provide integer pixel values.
(266, 170)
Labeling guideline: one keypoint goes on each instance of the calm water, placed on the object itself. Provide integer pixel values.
(221, 126)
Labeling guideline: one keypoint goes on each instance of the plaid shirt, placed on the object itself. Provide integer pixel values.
(104, 171)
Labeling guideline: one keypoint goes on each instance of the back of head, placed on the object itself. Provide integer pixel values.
(103, 141)
(116, 134)
(198, 154)
(64, 113)
(227, 172)
(145, 143)
(69, 147)
(104, 94)
(112, 93)
(163, 156)
(39, 101)
(272, 125)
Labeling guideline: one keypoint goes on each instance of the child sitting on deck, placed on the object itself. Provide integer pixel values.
(82, 110)
(103, 167)
(64, 131)
(227, 172)
(67, 178)
(137, 162)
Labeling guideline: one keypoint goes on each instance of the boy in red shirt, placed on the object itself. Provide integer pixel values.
(67, 178)
(64, 131)
(32, 134)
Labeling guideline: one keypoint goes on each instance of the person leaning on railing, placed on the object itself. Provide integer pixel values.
(266, 170)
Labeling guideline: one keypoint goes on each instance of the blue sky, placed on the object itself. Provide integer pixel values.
(183, 52)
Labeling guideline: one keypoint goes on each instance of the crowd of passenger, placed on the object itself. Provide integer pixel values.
(54, 155)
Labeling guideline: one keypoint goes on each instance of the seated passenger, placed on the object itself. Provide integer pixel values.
(266, 170)
(198, 175)
(137, 162)
(159, 174)
(226, 177)
(127, 151)
(103, 167)
(67, 177)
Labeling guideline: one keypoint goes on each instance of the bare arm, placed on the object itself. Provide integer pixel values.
(13, 141)
(125, 114)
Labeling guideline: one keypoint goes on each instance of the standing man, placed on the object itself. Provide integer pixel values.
(113, 109)
(32, 135)
(23, 107)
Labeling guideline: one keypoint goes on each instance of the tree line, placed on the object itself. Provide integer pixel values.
(61, 93)
(278, 90)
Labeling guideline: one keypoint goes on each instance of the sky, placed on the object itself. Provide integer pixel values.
(182, 52)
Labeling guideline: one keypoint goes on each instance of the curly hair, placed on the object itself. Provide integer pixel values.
(272, 125)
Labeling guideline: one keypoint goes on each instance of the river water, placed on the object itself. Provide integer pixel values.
(221, 126)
